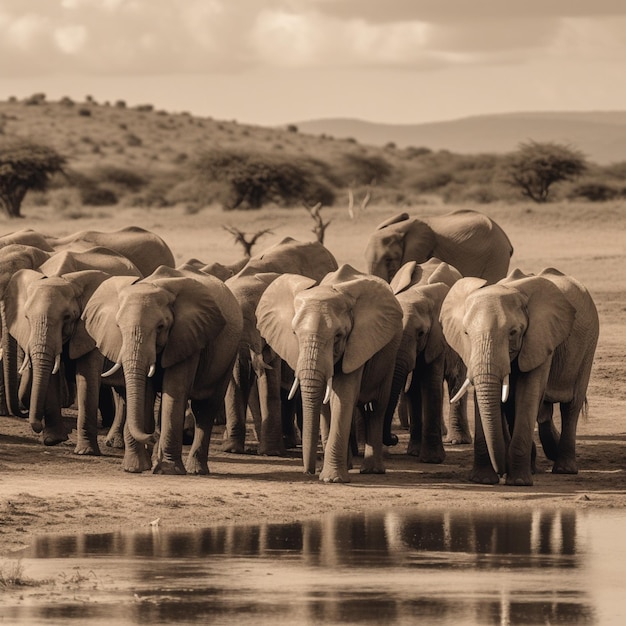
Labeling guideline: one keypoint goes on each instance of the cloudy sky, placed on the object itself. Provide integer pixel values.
(277, 61)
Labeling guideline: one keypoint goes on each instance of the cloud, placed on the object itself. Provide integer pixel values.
(104, 37)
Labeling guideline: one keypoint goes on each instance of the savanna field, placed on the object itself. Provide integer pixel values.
(51, 490)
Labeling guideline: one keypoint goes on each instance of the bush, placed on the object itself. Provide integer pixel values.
(361, 169)
(250, 180)
(594, 192)
(120, 177)
(84, 111)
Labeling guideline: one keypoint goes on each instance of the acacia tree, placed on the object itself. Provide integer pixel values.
(534, 167)
(24, 165)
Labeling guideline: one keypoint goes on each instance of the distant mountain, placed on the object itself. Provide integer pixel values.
(601, 136)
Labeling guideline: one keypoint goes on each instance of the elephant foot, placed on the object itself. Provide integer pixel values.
(432, 455)
(171, 468)
(334, 476)
(267, 450)
(519, 480)
(196, 466)
(136, 463)
(291, 442)
(372, 464)
(484, 475)
(87, 449)
(457, 438)
(390, 439)
(233, 446)
(53, 437)
(115, 440)
(413, 448)
(565, 466)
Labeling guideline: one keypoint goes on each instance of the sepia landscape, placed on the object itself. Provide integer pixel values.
(51, 490)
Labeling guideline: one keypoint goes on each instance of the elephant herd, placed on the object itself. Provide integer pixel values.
(107, 323)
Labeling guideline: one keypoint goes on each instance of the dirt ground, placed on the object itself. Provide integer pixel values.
(51, 490)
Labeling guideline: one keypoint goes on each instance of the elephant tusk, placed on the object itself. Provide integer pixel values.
(1, 353)
(151, 370)
(25, 364)
(505, 389)
(111, 371)
(294, 388)
(328, 388)
(57, 364)
(461, 392)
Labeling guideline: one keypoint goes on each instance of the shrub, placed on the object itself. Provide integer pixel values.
(84, 111)
(120, 104)
(251, 180)
(119, 176)
(97, 196)
(361, 169)
(132, 140)
(594, 192)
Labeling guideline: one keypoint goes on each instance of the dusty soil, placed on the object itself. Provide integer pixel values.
(51, 490)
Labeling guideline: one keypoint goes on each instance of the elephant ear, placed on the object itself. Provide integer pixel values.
(84, 284)
(377, 319)
(100, 313)
(550, 320)
(453, 312)
(16, 296)
(436, 343)
(445, 273)
(198, 319)
(409, 274)
(275, 312)
(395, 219)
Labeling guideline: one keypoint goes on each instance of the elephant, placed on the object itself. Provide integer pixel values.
(176, 332)
(339, 336)
(43, 314)
(468, 240)
(257, 362)
(425, 355)
(43, 310)
(219, 270)
(528, 342)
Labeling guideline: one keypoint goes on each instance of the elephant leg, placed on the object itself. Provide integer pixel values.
(271, 439)
(288, 409)
(565, 462)
(402, 411)
(88, 370)
(177, 383)
(548, 434)
(414, 407)
(198, 459)
(482, 471)
(9, 379)
(458, 423)
(115, 436)
(343, 399)
(54, 431)
(528, 396)
(236, 402)
(373, 421)
(431, 383)
(106, 406)
(324, 424)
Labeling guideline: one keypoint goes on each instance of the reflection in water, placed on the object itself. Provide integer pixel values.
(395, 567)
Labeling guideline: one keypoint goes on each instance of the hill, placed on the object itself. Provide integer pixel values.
(140, 156)
(601, 136)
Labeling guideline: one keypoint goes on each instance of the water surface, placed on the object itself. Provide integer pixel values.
(394, 567)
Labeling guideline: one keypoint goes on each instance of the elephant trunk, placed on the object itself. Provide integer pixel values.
(312, 388)
(136, 367)
(42, 354)
(488, 391)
